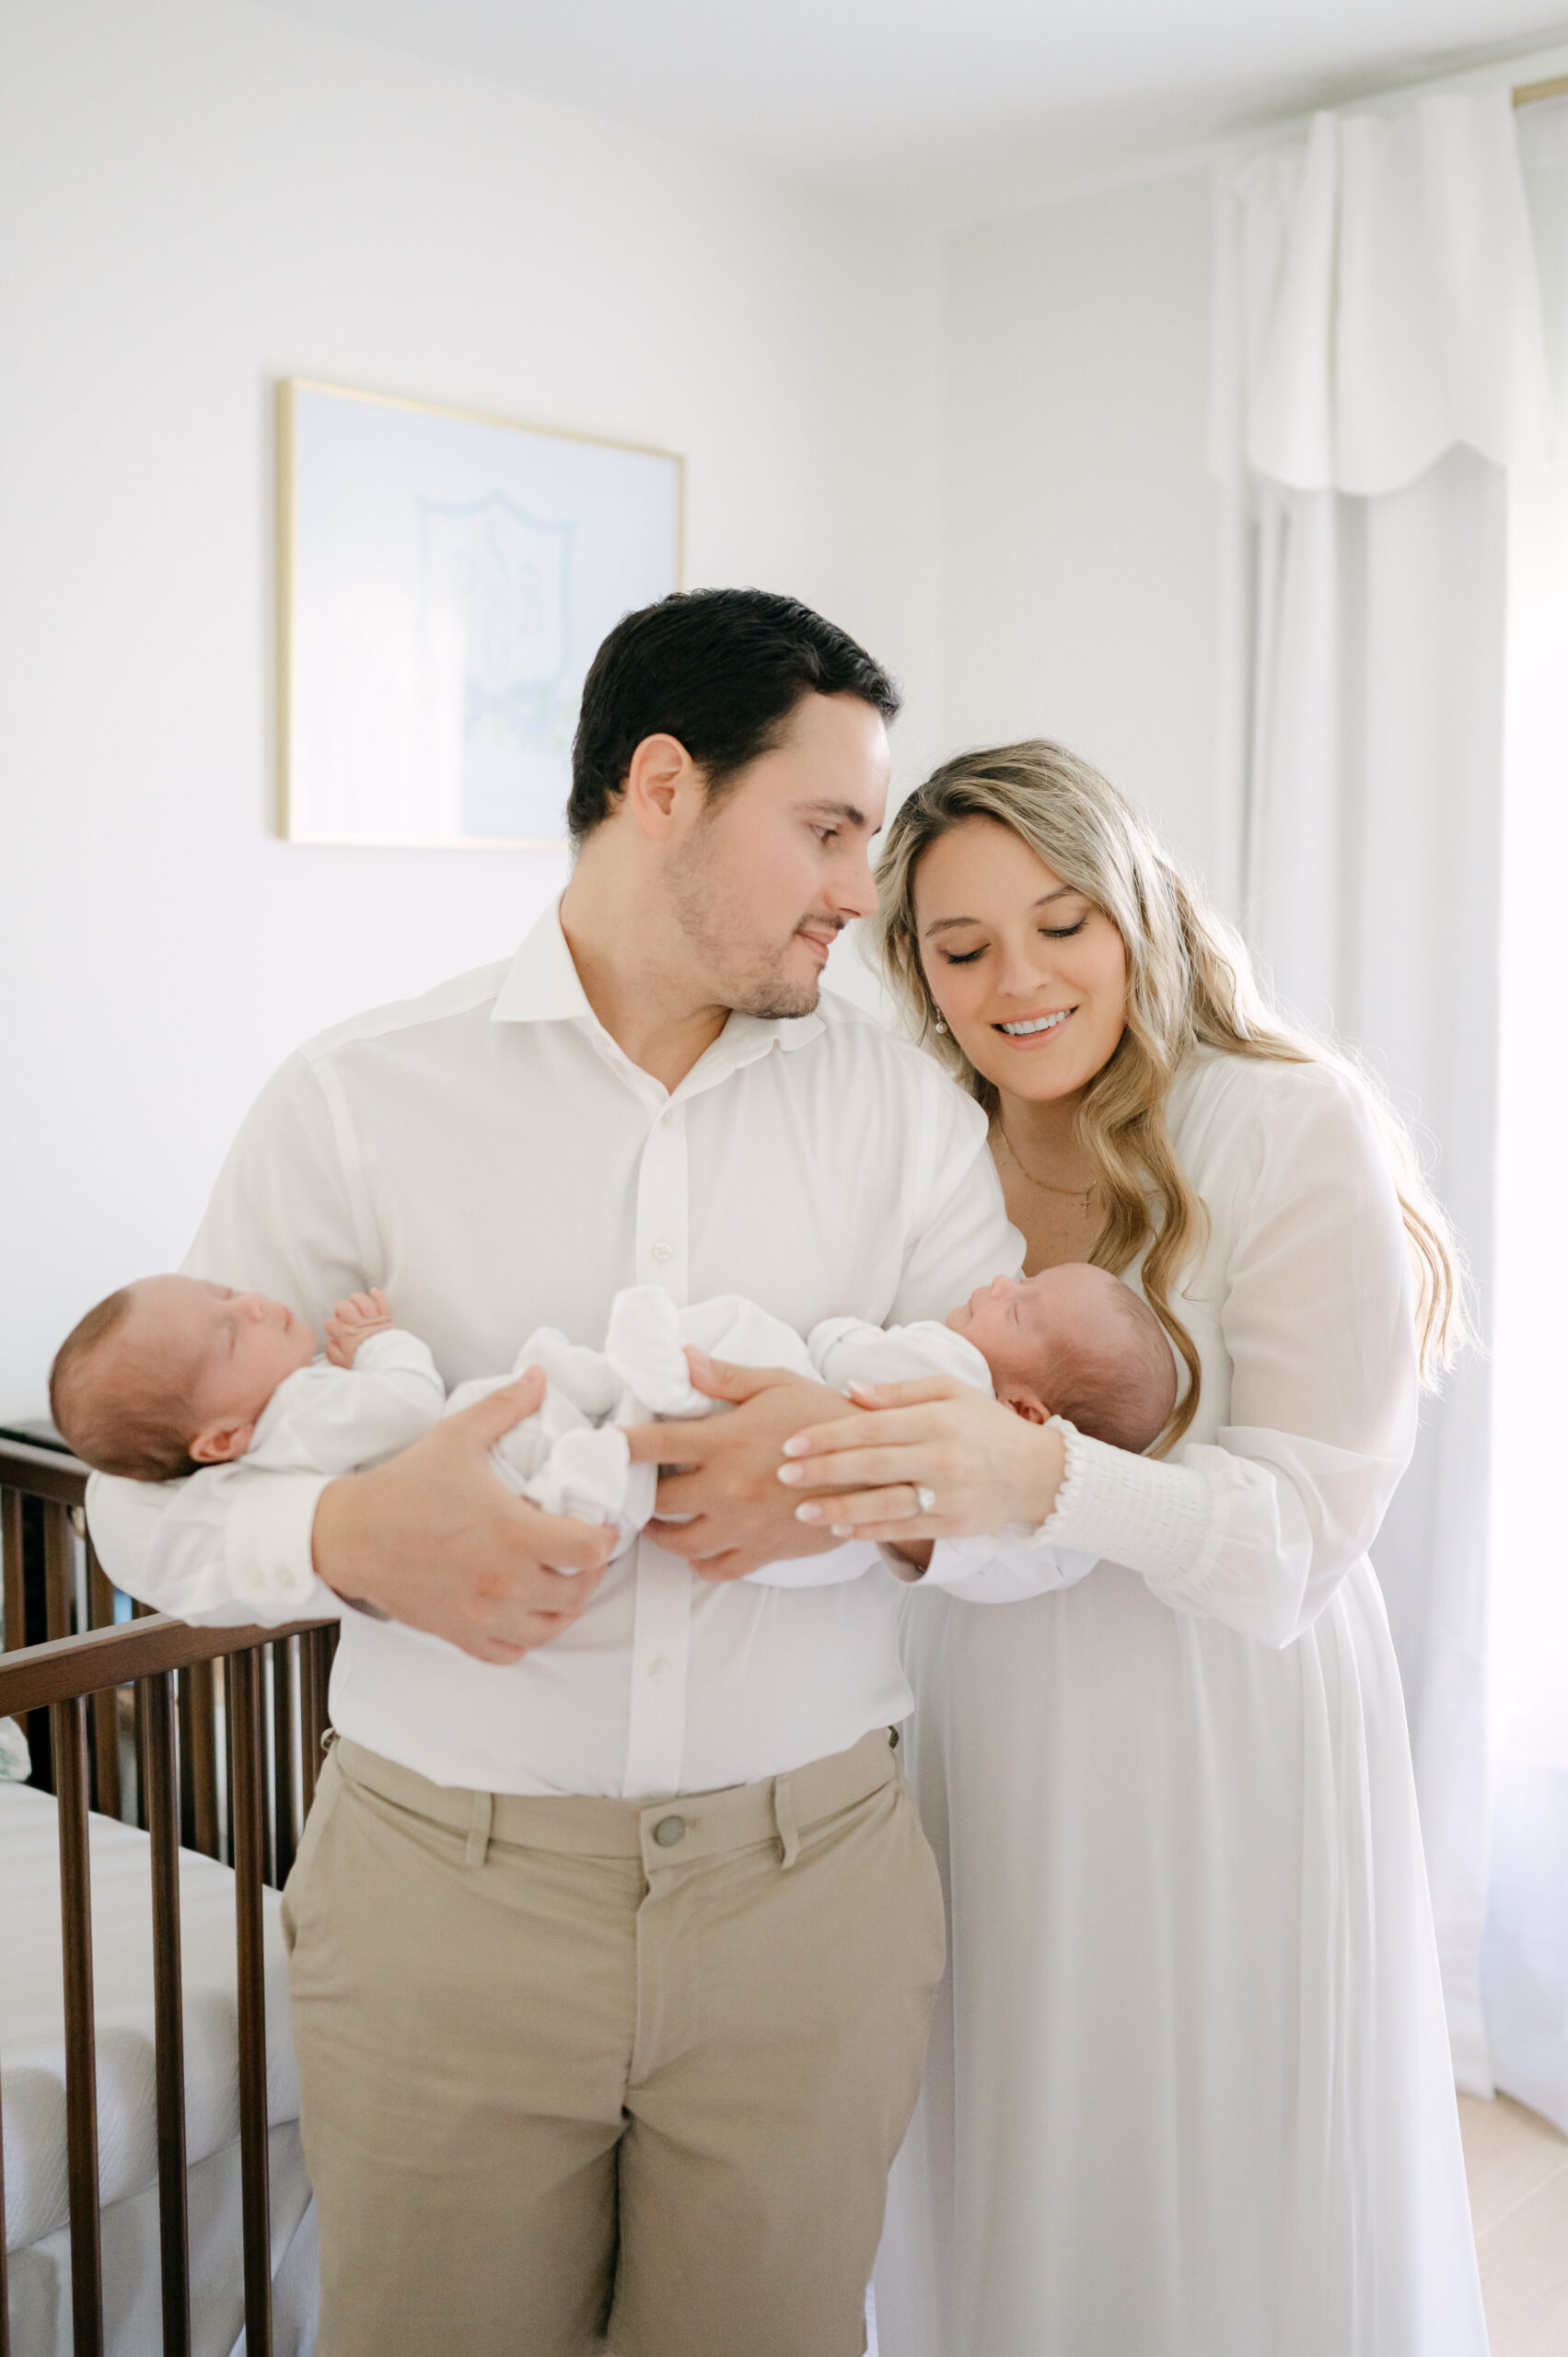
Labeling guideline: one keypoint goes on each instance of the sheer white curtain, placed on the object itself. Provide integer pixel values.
(1526, 1954)
(1378, 369)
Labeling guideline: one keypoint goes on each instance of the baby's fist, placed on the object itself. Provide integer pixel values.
(354, 1321)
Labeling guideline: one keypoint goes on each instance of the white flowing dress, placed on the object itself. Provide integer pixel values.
(1188, 2092)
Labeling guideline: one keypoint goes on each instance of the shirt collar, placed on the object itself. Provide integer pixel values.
(542, 986)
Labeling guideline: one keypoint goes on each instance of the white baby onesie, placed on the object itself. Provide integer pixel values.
(326, 1419)
(558, 1459)
(570, 1456)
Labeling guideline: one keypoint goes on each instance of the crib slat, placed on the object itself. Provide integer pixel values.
(283, 1820)
(313, 1721)
(155, 1697)
(106, 1706)
(11, 1568)
(248, 1752)
(200, 1749)
(59, 1567)
(139, 1752)
(68, 1729)
(316, 1650)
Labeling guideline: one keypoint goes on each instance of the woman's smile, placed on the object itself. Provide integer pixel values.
(1033, 1030)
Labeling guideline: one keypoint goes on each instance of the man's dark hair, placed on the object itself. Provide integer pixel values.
(719, 669)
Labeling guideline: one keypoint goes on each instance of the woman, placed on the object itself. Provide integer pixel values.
(1188, 2092)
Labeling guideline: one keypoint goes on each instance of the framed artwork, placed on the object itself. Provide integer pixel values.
(444, 582)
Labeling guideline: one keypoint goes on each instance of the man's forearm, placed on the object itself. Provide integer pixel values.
(220, 1550)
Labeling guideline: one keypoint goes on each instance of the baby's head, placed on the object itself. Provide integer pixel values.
(172, 1372)
(1075, 1343)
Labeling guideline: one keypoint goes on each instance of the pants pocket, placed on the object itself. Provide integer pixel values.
(329, 1792)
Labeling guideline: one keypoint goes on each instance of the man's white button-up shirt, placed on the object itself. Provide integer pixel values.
(490, 1157)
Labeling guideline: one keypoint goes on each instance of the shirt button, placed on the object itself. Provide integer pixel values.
(667, 1115)
(658, 1670)
(670, 1830)
(256, 1576)
(663, 1251)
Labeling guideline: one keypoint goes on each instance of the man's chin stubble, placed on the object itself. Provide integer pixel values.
(778, 1002)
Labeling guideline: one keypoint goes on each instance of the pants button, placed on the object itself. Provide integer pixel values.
(670, 1830)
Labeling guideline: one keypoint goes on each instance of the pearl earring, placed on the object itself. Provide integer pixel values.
(940, 1024)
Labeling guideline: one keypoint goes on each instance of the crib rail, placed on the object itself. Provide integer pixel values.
(53, 1584)
(257, 1808)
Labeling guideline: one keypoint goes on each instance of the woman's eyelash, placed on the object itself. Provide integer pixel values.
(1051, 933)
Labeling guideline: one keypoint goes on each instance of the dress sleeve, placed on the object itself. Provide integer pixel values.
(232, 1544)
(1258, 1528)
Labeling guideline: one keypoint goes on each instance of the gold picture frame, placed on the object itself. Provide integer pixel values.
(445, 575)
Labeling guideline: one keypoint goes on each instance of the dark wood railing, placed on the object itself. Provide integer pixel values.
(243, 1799)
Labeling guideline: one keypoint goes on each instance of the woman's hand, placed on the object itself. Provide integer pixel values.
(984, 1466)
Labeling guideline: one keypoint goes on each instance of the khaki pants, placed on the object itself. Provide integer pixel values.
(579, 2069)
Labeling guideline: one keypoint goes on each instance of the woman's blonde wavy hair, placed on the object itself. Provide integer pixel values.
(1189, 985)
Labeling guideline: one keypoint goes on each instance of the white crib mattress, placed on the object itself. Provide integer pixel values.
(32, 2038)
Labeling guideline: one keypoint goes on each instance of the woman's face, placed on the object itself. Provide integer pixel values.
(1030, 977)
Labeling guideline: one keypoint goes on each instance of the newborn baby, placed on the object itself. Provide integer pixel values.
(1072, 1342)
(174, 1373)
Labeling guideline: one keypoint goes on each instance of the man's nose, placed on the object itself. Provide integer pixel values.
(854, 894)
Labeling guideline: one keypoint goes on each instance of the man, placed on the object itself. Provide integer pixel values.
(615, 1936)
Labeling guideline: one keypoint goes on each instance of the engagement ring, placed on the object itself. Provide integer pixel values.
(925, 1499)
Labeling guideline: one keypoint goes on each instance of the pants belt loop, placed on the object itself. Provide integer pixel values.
(478, 1829)
(784, 1817)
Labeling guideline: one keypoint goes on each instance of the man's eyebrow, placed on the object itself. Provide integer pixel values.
(945, 925)
(837, 810)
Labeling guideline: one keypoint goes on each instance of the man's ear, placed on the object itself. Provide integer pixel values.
(217, 1444)
(1024, 1402)
(659, 770)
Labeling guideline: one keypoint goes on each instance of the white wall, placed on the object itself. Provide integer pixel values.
(197, 197)
(1080, 569)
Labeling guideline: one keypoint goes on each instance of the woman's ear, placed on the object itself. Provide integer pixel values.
(217, 1444)
(1024, 1402)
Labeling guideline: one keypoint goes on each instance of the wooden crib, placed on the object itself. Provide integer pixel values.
(131, 1718)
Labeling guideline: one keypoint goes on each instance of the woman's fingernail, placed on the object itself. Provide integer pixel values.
(792, 1472)
(796, 1446)
(863, 1390)
(808, 1513)
(843, 1530)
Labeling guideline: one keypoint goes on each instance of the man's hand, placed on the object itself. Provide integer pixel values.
(354, 1321)
(433, 1539)
(727, 1479)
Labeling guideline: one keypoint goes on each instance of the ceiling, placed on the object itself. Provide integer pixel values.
(951, 108)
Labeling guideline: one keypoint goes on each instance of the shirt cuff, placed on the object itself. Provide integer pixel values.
(267, 1538)
(1150, 1516)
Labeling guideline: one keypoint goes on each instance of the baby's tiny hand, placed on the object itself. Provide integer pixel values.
(354, 1321)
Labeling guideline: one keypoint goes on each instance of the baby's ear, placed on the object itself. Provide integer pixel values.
(1024, 1402)
(219, 1444)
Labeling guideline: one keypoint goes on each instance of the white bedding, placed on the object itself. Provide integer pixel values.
(32, 2086)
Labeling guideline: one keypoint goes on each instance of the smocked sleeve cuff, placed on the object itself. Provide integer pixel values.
(268, 1539)
(1151, 1516)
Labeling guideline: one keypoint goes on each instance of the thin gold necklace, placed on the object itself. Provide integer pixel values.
(1076, 1194)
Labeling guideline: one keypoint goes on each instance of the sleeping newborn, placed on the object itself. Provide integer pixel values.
(174, 1373)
